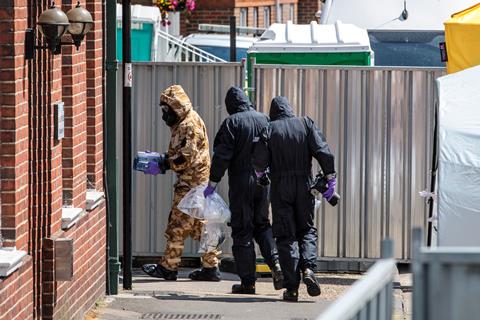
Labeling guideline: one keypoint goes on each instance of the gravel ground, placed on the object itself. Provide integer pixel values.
(334, 285)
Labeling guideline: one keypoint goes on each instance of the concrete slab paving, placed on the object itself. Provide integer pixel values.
(185, 299)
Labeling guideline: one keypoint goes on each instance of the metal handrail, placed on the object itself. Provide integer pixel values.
(201, 54)
(371, 296)
(362, 292)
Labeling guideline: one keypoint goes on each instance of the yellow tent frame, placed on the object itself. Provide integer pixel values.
(462, 35)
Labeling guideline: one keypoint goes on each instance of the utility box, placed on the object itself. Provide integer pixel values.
(311, 44)
(64, 259)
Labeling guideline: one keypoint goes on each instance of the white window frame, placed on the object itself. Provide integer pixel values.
(267, 16)
(255, 17)
(292, 12)
(243, 17)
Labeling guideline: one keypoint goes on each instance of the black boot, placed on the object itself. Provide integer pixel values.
(243, 289)
(277, 276)
(290, 295)
(313, 287)
(206, 274)
(158, 271)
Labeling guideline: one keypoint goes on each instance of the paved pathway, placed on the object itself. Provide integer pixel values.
(185, 299)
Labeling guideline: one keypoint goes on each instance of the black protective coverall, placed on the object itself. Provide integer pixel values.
(287, 146)
(232, 149)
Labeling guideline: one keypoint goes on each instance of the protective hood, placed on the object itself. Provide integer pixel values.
(280, 108)
(237, 101)
(178, 100)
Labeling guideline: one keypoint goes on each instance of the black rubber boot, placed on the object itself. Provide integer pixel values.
(206, 274)
(290, 295)
(158, 271)
(277, 276)
(243, 289)
(313, 287)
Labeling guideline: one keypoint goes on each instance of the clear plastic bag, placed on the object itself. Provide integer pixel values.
(212, 209)
(212, 237)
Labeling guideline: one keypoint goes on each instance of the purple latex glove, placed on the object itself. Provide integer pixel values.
(259, 174)
(153, 168)
(209, 190)
(331, 189)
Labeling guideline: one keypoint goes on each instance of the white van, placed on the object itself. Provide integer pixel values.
(219, 44)
(402, 32)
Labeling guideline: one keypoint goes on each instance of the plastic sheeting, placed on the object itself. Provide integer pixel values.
(462, 38)
(459, 159)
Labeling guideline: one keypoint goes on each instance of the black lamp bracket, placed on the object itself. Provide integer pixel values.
(31, 46)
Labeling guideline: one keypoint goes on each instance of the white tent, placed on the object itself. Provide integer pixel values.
(459, 159)
(387, 14)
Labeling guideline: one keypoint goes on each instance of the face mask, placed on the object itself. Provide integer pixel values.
(169, 116)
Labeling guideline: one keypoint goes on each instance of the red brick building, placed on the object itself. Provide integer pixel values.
(45, 181)
(249, 13)
(307, 10)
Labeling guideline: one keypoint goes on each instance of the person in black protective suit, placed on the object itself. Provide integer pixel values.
(286, 147)
(232, 150)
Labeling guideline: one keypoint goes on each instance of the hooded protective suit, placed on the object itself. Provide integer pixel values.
(233, 148)
(189, 157)
(287, 146)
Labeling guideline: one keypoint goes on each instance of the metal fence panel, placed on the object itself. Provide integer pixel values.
(378, 121)
(206, 84)
(446, 282)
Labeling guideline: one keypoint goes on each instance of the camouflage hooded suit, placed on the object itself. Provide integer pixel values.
(189, 157)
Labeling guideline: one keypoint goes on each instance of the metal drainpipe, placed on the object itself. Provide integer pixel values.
(111, 167)
(278, 11)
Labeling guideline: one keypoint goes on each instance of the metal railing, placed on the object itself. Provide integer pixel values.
(446, 281)
(219, 28)
(370, 297)
(180, 51)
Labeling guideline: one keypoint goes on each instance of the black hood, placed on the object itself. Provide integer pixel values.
(280, 109)
(237, 101)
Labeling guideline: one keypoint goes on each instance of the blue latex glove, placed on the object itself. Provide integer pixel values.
(209, 190)
(331, 189)
(153, 168)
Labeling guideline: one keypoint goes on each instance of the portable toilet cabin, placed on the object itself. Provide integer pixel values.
(311, 44)
(145, 23)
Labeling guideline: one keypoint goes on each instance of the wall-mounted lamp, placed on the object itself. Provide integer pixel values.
(53, 24)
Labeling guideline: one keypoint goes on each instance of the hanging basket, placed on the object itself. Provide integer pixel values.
(172, 6)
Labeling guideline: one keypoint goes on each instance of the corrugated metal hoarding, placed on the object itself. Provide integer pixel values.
(378, 121)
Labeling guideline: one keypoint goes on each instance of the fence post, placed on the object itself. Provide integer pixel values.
(417, 275)
(386, 248)
(386, 252)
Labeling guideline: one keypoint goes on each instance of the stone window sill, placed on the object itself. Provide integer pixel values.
(94, 199)
(70, 216)
(10, 260)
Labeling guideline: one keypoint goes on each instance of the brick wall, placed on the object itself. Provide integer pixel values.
(72, 299)
(16, 291)
(190, 23)
(16, 294)
(36, 170)
(307, 10)
(218, 12)
(94, 47)
(13, 125)
(74, 153)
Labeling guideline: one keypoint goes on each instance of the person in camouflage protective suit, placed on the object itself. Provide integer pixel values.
(188, 156)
